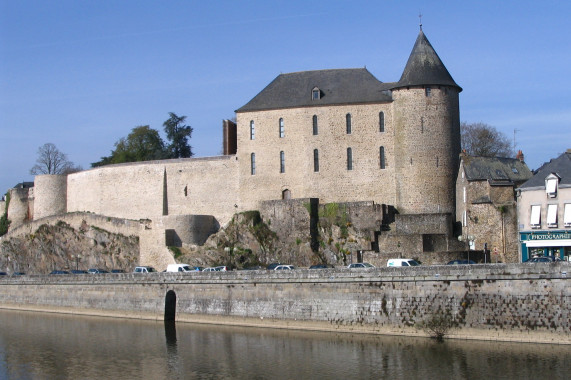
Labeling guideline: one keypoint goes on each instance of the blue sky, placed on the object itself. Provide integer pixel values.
(81, 74)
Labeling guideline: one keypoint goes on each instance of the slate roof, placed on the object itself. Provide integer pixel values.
(560, 166)
(424, 67)
(337, 86)
(496, 170)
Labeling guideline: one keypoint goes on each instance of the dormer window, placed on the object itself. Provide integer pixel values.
(315, 94)
(551, 182)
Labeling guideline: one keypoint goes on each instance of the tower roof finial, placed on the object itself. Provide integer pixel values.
(420, 18)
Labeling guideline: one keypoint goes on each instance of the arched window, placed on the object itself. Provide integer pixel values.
(381, 121)
(282, 131)
(252, 130)
(282, 162)
(315, 128)
(348, 122)
(349, 159)
(315, 160)
(253, 163)
(382, 157)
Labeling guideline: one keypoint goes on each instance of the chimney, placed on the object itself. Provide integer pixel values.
(519, 155)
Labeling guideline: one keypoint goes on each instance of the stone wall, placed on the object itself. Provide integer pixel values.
(50, 195)
(514, 302)
(427, 144)
(333, 182)
(203, 186)
(20, 209)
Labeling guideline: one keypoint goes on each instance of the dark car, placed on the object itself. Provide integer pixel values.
(78, 271)
(96, 271)
(542, 259)
(461, 262)
(59, 272)
(272, 266)
(117, 271)
(3, 274)
(18, 274)
(321, 266)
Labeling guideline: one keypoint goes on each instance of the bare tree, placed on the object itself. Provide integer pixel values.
(52, 161)
(480, 139)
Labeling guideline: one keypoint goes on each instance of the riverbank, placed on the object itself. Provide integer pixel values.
(513, 303)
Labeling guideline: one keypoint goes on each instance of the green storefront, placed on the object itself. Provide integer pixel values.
(545, 243)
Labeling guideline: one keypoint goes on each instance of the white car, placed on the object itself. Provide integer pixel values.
(284, 267)
(209, 269)
(402, 263)
(360, 266)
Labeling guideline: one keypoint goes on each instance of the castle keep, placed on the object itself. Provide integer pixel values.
(336, 135)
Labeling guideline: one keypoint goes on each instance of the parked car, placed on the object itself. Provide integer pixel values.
(284, 267)
(221, 268)
(96, 271)
(59, 272)
(117, 271)
(78, 271)
(3, 274)
(209, 269)
(272, 266)
(18, 274)
(180, 268)
(360, 266)
(460, 262)
(543, 259)
(402, 263)
(145, 269)
(321, 266)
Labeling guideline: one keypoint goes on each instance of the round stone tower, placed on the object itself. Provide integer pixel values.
(50, 195)
(427, 133)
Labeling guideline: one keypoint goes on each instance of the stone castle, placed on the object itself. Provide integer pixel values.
(339, 136)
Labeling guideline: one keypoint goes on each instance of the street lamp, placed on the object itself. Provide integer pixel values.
(469, 239)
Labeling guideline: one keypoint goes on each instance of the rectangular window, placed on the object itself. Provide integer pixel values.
(315, 128)
(315, 160)
(348, 122)
(551, 216)
(282, 162)
(535, 220)
(381, 122)
(551, 187)
(252, 130)
(282, 129)
(567, 215)
(349, 159)
(427, 91)
(464, 218)
(253, 163)
(382, 157)
(464, 195)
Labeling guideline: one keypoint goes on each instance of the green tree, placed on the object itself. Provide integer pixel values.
(178, 134)
(52, 161)
(142, 144)
(480, 139)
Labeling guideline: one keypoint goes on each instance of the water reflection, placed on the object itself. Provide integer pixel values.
(50, 346)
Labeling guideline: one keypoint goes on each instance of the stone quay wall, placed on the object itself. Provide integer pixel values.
(518, 302)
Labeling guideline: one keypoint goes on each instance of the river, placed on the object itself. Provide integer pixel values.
(56, 346)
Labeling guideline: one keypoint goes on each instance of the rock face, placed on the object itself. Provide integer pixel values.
(62, 247)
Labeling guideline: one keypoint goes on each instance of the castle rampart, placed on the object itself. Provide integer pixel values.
(516, 302)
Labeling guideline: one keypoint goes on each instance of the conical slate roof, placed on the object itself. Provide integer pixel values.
(424, 67)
